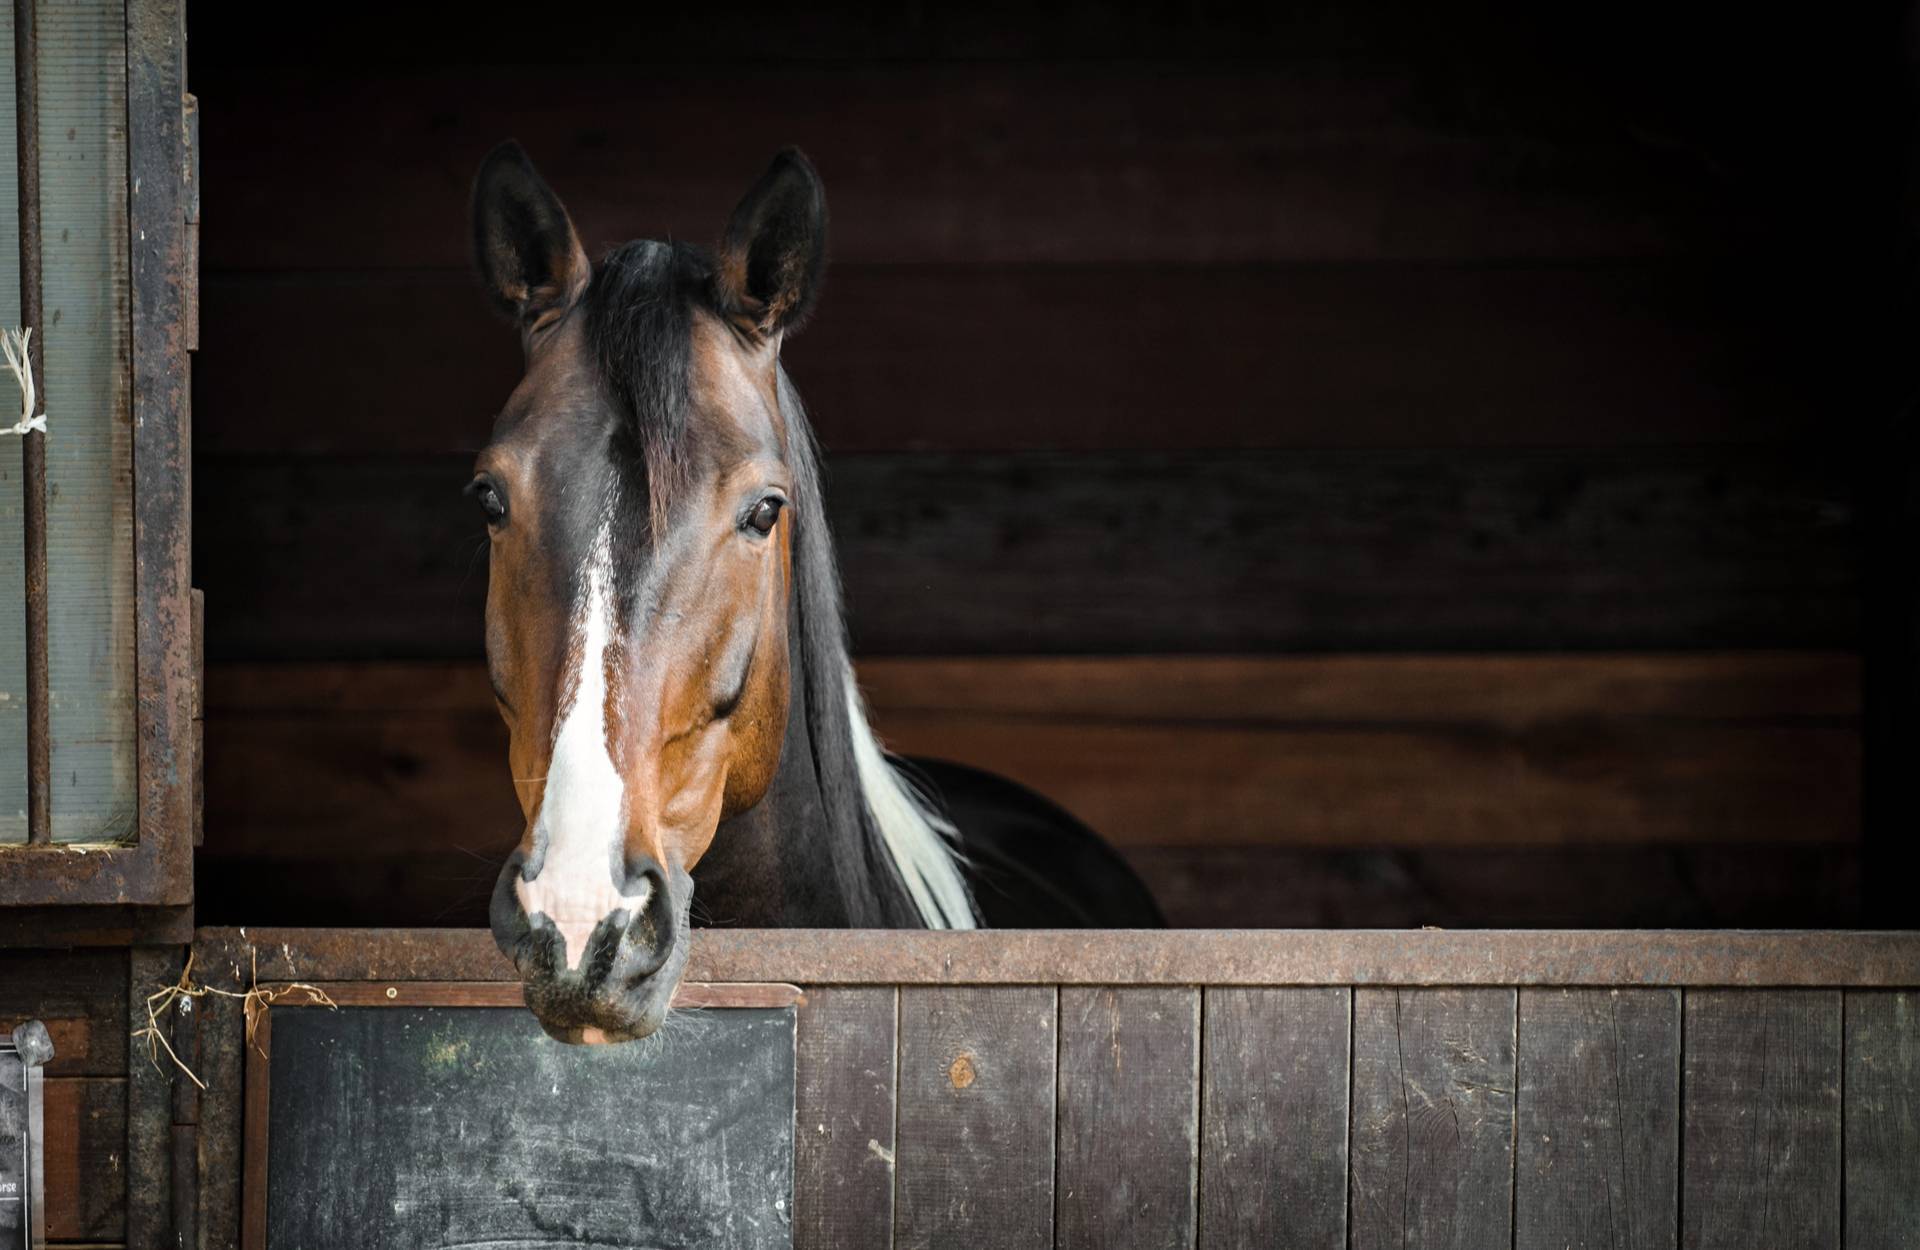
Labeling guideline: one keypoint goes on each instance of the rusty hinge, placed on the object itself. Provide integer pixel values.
(190, 197)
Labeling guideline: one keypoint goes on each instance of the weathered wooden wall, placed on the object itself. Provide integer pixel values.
(1130, 1084)
(1387, 790)
(82, 998)
(1317, 1090)
(1456, 335)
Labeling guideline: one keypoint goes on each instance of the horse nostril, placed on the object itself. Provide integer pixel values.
(652, 931)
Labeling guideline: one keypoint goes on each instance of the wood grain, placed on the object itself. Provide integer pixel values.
(844, 1146)
(1760, 1159)
(149, 1155)
(1112, 553)
(1084, 358)
(971, 162)
(1732, 885)
(687, 995)
(80, 995)
(1598, 1107)
(1341, 753)
(86, 1156)
(1516, 691)
(1882, 1116)
(1358, 786)
(1692, 887)
(1824, 959)
(976, 1116)
(1273, 1152)
(1432, 1146)
(440, 783)
(222, 1122)
(1128, 1139)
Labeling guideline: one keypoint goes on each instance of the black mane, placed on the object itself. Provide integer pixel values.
(639, 324)
(639, 311)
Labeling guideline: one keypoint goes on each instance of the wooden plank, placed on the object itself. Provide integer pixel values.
(1198, 887)
(1366, 38)
(86, 1119)
(1598, 1137)
(1664, 753)
(1429, 957)
(1597, 784)
(1512, 690)
(687, 995)
(1573, 887)
(1127, 1149)
(162, 489)
(1432, 1147)
(844, 1120)
(1273, 1153)
(1760, 1159)
(976, 1117)
(1044, 162)
(255, 1135)
(80, 995)
(149, 1103)
(223, 1062)
(1882, 1116)
(1387, 133)
(1085, 358)
(1517, 690)
(438, 782)
(1565, 550)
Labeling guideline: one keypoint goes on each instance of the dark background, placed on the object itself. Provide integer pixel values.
(1381, 464)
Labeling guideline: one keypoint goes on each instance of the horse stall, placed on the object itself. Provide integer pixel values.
(1093, 1089)
(1387, 528)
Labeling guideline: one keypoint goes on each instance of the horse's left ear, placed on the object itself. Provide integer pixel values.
(776, 247)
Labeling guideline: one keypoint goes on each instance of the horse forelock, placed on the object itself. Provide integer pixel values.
(639, 311)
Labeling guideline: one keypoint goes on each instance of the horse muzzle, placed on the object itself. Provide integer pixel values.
(621, 988)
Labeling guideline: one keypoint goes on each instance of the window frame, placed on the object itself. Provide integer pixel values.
(155, 870)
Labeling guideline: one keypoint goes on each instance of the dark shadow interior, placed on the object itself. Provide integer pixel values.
(1379, 465)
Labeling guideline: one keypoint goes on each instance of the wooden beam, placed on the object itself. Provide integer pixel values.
(1051, 160)
(1332, 752)
(1113, 553)
(979, 359)
(809, 957)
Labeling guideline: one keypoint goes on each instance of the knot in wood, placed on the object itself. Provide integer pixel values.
(960, 1073)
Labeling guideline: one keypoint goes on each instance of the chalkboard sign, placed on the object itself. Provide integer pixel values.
(22, 1128)
(411, 1126)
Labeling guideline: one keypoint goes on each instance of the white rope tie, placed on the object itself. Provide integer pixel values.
(14, 343)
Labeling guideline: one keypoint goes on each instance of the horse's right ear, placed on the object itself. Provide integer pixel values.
(529, 257)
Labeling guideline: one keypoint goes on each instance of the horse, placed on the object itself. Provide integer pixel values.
(665, 640)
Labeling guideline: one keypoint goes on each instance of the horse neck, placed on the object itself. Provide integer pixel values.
(801, 856)
(807, 853)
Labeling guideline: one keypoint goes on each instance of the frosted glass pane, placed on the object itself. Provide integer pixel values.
(83, 209)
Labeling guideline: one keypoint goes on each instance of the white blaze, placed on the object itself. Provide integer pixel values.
(582, 820)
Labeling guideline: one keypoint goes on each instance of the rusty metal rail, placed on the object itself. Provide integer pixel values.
(33, 443)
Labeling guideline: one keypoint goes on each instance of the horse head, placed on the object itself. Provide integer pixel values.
(640, 495)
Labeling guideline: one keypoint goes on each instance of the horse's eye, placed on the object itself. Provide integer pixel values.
(492, 503)
(764, 514)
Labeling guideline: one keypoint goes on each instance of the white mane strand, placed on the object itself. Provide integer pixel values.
(918, 838)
